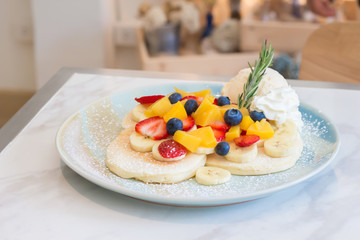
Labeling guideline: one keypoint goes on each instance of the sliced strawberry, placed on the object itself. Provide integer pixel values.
(171, 149)
(198, 99)
(188, 123)
(219, 135)
(215, 101)
(154, 127)
(219, 125)
(246, 140)
(149, 99)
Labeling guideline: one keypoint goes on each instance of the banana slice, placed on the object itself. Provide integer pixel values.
(157, 155)
(284, 142)
(203, 150)
(242, 154)
(212, 176)
(137, 113)
(141, 143)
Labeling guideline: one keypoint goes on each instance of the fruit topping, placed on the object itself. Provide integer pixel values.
(149, 99)
(263, 129)
(154, 127)
(171, 149)
(219, 134)
(173, 125)
(202, 93)
(207, 113)
(197, 99)
(190, 106)
(159, 108)
(246, 123)
(233, 132)
(220, 125)
(189, 141)
(188, 123)
(177, 111)
(233, 117)
(222, 148)
(206, 135)
(246, 140)
(257, 116)
(175, 97)
(212, 176)
(223, 100)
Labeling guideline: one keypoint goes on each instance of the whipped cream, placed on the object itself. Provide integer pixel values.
(279, 104)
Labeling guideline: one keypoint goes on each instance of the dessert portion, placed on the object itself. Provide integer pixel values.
(253, 128)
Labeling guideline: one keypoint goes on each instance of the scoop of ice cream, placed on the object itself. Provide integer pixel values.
(279, 104)
(270, 80)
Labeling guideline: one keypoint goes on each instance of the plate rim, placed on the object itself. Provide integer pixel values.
(184, 202)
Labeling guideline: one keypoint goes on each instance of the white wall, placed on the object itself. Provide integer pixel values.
(72, 33)
(16, 53)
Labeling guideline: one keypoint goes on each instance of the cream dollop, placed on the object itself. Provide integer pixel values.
(279, 104)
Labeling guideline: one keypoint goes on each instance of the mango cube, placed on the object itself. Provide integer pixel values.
(244, 111)
(189, 141)
(246, 122)
(182, 92)
(177, 111)
(207, 113)
(206, 135)
(202, 93)
(159, 108)
(233, 132)
(263, 129)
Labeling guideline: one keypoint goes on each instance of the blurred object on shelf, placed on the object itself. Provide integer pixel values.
(154, 18)
(332, 54)
(286, 66)
(284, 36)
(225, 38)
(351, 10)
(226, 64)
(163, 40)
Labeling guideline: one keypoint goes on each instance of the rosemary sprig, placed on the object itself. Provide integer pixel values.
(251, 86)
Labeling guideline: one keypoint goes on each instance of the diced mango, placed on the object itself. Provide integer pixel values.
(246, 122)
(233, 132)
(159, 108)
(189, 141)
(206, 135)
(244, 111)
(263, 129)
(202, 93)
(210, 97)
(177, 111)
(207, 113)
(182, 92)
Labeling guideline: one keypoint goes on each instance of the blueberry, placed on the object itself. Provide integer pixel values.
(190, 106)
(257, 116)
(233, 117)
(222, 148)
(222, 101)
(175, 97)
(173, 125)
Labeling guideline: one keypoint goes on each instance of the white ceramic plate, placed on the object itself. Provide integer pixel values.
(83, 138)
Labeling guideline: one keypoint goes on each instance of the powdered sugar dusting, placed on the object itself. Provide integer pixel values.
(85, 137)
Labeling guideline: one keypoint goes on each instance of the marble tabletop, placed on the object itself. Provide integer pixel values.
(40, 197)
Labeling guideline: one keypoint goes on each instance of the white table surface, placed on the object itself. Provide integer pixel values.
(41, 198)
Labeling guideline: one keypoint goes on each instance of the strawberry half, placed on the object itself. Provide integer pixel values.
(154, 127)
(198, 99)
(246, 140)
(149, 99)
(220, 126)
(219, 135)
(188, 123)
(171, 149)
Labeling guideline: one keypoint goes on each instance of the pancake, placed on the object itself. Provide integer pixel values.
(127, 163)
